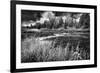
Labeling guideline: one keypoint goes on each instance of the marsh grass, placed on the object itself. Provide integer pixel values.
(34, 50)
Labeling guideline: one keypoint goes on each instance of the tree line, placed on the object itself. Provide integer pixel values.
(50, 21)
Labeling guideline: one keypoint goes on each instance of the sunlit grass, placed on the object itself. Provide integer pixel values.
(34, 50)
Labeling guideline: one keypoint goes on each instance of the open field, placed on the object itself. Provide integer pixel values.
(53, 46)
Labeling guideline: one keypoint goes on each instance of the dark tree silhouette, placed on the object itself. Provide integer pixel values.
(85, 20)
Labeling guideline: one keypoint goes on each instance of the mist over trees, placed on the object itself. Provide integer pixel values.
(55, 20)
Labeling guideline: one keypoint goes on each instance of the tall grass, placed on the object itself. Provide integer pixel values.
(34, 50)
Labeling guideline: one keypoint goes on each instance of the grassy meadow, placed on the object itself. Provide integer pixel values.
(54, 49)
